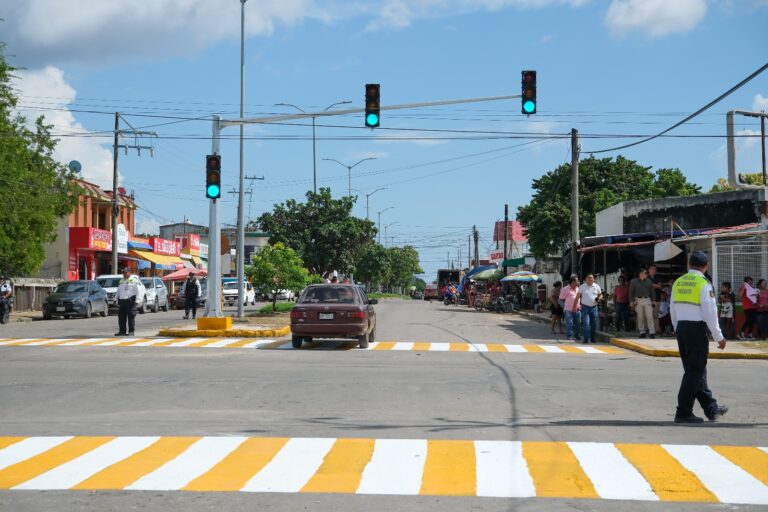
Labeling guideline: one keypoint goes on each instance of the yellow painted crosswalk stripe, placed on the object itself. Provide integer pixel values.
(99, 342)
(421, 346)
(752, 460)
(570, 349)
(556, 472)
(8, 441)
(129, 470)
(385, 345)
(39, 464)
(533, 348)
(449, 469)
(459, 347)
(496, 347)
(667, 477)
(238, 467)
(343, 467)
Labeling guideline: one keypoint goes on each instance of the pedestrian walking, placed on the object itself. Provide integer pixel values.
(748, 296)
(555, 308)
(590, 295)
(621, 304)
(658, 286)
(127, 295)
(641, 294)
(191, 294)
(570, 297)
(693, 310)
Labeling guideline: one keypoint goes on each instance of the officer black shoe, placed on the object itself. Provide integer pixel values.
(652, 336)
(186, 317)
(130, 333)
(691, 418)
(718, 411)
(119, 334)
(642, 335)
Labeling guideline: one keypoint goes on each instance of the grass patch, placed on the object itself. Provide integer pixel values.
(282, 307)
(762, 345)
(378, 295)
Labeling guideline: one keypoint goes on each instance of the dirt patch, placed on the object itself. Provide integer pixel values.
(760, 345)
(269, 320)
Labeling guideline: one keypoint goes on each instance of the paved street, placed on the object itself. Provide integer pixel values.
(418, 424)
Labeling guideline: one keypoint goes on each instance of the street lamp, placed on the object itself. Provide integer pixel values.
(380, 212)
(314, 157)
(367, 217)
(349, 168)
(385, 231)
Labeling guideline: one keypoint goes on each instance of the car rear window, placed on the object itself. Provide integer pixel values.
(329, 295)
(109, 282)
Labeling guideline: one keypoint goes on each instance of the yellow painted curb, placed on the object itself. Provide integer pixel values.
(229, 333)
(662, 352)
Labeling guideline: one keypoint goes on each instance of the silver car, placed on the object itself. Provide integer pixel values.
(157, 293)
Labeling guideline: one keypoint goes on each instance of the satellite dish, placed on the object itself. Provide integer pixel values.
(75, 166)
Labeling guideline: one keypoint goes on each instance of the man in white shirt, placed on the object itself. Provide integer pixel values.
(6, 291)
(127, 293)
(693, 310)
(590, 294)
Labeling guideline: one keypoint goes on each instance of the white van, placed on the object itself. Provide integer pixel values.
(110, 282)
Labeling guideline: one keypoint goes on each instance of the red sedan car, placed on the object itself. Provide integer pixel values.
(333, 311)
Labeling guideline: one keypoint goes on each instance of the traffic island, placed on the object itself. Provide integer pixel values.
(236, 332)
(667, 347)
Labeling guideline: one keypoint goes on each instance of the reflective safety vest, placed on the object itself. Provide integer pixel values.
(687, 289)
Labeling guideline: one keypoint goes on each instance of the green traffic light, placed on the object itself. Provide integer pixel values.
(372, 119)
(213, 191)
(529, 107)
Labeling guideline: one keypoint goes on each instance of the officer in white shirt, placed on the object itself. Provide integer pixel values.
(590, 294)
(127, 293)
(693, 309)
(6, 291)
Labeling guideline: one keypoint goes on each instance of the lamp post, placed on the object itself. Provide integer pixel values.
(241, 193)
(314, 152)
(367, 196)
(380, 212)
(349, 168)
(385, 231)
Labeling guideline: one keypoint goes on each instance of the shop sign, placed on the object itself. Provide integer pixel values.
(189, 244)
(496, 256)
(122, 239)
(100, 239)
(163, 246)
(204, 250)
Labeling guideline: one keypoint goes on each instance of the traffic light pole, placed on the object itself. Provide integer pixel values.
(574, 199)
(213, 302)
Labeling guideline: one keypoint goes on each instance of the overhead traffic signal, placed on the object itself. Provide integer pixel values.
(213, 176)
(529, 92)
(372, 105)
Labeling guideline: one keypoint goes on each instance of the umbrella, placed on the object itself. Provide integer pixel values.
(522, 276)
(487, 275)
(182, 274)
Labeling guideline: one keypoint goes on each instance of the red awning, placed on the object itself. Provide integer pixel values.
(182, 274)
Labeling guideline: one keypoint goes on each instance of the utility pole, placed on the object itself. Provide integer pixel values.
(137, 135)
(469, 252)
(477, 251)
(574, 199)
(241, 195)
(762, 143)
(506, 236)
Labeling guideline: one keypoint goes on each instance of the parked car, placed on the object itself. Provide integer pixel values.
(156, 292)
(110, 282)
(76, 298)
(282, 295)
(333, 311)
(431, 292)
(230, 293)
(178, 303)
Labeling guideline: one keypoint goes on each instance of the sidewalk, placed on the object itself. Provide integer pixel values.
(667, 347)
(25, 316)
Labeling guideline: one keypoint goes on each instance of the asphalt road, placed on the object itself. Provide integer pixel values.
(357, 394)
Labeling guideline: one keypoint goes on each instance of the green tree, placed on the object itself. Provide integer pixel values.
(35, 189)
(322, 230)
(373, 267)
(419, 283)
(276, 268)
(602, 183)
(722, 184)
(403, 264)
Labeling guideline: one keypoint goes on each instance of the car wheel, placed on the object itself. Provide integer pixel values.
(88, 311)
(362, 341)
(46, 315)
(296, 341)
(143, 308)
(165, 307)
(155, 306)
(372, 336)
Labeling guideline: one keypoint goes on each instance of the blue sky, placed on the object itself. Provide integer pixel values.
(610, 67)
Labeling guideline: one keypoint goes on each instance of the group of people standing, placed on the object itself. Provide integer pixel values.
(578, 303)
(754, 302)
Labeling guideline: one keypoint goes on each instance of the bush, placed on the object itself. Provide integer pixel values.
(281, 307)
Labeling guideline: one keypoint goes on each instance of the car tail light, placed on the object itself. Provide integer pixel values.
(357, 314)
(295, 315)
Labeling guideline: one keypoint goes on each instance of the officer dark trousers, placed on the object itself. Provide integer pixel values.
(190, 303)
(694, 348)
(126, 311)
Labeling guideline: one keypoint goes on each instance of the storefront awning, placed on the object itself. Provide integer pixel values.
(514, 262)
(165, 262)
(139, 245)
(199, 262)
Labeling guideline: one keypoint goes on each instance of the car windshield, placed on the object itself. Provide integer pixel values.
(109, 282)
(72, 287)
(232, 285)
(329, 294)
(147, 282)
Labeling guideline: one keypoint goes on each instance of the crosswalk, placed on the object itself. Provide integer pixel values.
(432, 467)
(271, 344)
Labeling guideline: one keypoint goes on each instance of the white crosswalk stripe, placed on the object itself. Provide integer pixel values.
(612, 475)
(28, 448)
(395, 467)
(292, 468)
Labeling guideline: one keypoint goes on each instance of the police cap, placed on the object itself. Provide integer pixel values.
(698, 259)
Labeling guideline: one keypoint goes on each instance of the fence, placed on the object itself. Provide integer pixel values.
(29, 294)
(737, 259)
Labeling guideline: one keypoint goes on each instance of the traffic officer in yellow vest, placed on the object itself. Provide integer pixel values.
(693, 309)
(127, 293)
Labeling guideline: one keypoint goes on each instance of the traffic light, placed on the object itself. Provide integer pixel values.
(529, 92)
(372, 105)
(213, 176)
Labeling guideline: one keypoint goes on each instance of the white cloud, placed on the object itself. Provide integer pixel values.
(760, 102)
(147, 225)
(49, 82)
(654, 18)
(353, 156)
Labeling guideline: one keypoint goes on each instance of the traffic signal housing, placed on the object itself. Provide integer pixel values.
(528, 105)
(213, 176)
(372, 105)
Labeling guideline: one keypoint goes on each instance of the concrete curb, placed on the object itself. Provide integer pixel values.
(662, 352)
(231, 333)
